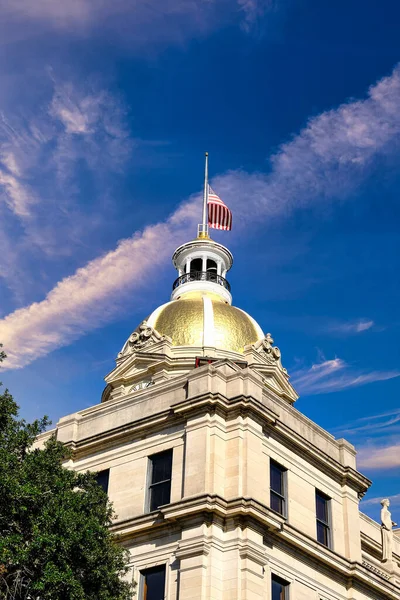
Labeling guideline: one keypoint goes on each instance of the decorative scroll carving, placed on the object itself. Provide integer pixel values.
(139, 339)
(270, 352)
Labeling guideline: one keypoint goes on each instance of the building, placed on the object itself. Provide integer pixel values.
(223, 490)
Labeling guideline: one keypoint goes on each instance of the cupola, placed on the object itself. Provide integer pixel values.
(202, 265)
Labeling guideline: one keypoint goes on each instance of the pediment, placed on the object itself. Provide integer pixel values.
(134, 365)
(227, 366)
(277, 381)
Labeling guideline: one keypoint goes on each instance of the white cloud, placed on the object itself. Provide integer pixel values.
(130, 22)
(82, 127)
(376, 501)
(94, 294)
(376, 437)
(385, 424)
(351, 327)
(334, 375)
(17, 195)
(375, 457)
(326, 160)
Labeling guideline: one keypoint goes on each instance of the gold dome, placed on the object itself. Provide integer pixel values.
(204, 319)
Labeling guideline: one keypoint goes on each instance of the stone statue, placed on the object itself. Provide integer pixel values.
(386, 531)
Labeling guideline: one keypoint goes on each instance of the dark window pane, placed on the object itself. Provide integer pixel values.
(102, 479)
(279, 588)
(276, 476)
(196, 264)
(211, 265)
(276, 503)
(161, 466)
(322, 507)
(154, 583)
(322, 533)
(160, 494)
(160, 485)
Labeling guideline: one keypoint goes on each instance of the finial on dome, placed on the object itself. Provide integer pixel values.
(202, 229)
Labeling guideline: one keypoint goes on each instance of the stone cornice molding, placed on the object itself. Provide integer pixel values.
(254, 514)
(113, 437)
(248, 405)
(206, 403)
(190, 548)
(249, 550)
(374, 548)
(227, 407)
(344, 475)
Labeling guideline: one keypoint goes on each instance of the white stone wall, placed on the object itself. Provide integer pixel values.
(218, 537)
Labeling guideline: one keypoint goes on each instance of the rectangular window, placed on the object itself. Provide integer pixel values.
(103, 478)
(277, 477)
(153, 583)
(280, 588)
(160, 479)
(322, 507)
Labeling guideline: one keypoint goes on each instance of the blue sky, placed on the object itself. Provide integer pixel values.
(106, 110)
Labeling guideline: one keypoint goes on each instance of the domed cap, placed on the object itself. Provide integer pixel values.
(201, 319)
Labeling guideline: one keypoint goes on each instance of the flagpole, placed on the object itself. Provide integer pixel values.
(205, 199)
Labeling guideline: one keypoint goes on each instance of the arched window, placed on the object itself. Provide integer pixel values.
(211, 266)
(196, 265)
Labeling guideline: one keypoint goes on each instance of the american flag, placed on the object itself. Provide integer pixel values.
(219, 215)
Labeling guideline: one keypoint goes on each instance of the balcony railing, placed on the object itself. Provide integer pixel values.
(202, 276)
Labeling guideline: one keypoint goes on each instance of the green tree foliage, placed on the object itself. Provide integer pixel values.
(55, 543)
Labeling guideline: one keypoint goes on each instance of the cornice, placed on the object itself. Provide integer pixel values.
(228, 408)
(111, 438)
(344, 475)
(253, 514)
(374, 548)
(208, 401)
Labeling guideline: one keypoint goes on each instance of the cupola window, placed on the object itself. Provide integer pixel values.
(211, 266)
(196, 265)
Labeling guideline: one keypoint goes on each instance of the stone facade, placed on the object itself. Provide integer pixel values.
(227, 417)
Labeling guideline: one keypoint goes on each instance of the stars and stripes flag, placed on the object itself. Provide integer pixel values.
(219, 215)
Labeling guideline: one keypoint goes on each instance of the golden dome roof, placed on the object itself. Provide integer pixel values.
(205, 319)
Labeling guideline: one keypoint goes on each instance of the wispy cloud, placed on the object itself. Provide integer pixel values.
(395, 500)
(254, 10)
(327, 160)
(42, 157)
(94, 294)
(377, 438)
(379, 457)
(170, 21)
(385, 424)
(351, 327)
(334, 375)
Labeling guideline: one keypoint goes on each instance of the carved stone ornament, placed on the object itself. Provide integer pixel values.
(270, 352)
(266, 346)
(139, 339)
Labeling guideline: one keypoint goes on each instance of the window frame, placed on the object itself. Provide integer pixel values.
(284, 497)
(285, 585)
(142, 580)
(108, 479)
(326, 524)
(152, 485)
